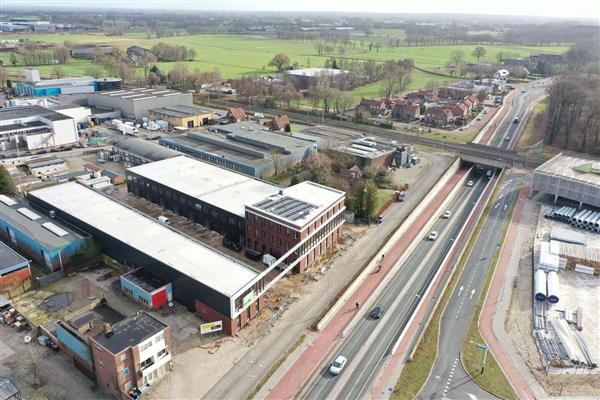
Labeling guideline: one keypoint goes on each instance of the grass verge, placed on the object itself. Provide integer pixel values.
(276, 366)
(416, 371)
(493, 378)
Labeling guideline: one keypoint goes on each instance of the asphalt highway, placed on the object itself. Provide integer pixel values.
(448, 379)
(371, 341)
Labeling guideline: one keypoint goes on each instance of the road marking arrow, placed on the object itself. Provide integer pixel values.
(460, 291)
(472, 294)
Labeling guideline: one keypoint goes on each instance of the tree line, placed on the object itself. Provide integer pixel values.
(573, 113)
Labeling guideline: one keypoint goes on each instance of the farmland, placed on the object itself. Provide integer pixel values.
(238, 55)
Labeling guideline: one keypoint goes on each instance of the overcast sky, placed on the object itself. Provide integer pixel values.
(542, 8)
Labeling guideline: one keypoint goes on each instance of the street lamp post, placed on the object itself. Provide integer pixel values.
(482, 346)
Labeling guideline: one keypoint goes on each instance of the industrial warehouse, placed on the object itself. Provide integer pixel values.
(35, 127)
(43, 238)
(205, 194)
(569, 177)
(203, 279)
(243, 146)
(137, 103)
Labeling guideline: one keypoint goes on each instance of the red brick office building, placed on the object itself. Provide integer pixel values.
(307, 218)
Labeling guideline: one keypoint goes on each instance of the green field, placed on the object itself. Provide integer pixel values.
(420, 80)
(236, 56)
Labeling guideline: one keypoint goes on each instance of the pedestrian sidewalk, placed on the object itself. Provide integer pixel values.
(325, 341)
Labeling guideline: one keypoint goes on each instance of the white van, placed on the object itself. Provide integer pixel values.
(268, 260)
(164, 220)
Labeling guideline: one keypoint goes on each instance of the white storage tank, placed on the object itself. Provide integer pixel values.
(539, 285)
(552, 281)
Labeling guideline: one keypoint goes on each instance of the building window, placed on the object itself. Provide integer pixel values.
(295, 235)
(146, 363)
(145, 346)
(100, 363)
(159, 338)
(125, 371)
(161, 353)
(123, 356)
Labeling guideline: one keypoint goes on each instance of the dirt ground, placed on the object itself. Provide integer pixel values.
(58, 379)
(519, 324)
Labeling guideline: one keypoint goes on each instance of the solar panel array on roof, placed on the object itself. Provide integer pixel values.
(28, 213)
(7, 200)
(58, 231)
(286, 207)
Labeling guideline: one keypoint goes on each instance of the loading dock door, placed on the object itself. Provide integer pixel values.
(190, 124)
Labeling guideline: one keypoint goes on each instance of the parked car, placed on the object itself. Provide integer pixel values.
(377, 312)
(469, 183)
(338, 365)
(379, 219)
(447, 214)
(253, 255)
(516, 120)
(507, 138)
(164, 220)
(433, 235)
(401, 196)
(230, 244)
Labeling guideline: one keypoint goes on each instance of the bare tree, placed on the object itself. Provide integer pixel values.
(457, 57)
(479, 52)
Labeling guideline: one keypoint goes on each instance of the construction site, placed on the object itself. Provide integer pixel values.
(566, 283)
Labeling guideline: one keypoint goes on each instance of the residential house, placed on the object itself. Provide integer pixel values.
(423, 96)
(132, 353)
(236, 114)
(438, 116)
(137, 51)
(459, 110)
(375, 107)
(454, 92)
(279, 123)
(405, 111)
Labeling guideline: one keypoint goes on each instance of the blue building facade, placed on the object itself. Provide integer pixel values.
(44, 239)
(55, 87)
(146, 288)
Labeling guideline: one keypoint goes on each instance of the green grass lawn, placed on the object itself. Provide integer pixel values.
(420, 80)
(383, 196)
(237, 55)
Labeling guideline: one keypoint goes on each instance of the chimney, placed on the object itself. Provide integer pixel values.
(108, 332)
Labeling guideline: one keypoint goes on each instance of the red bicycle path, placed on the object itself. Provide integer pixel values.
(323, 342)
(492, 298)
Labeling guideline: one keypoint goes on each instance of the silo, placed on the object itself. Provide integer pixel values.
(552, 281)
(539, 283)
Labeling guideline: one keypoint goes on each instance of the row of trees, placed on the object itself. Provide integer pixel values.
(573, 114)
(33, 54)
(168, 52)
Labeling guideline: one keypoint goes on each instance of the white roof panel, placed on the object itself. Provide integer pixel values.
(7, 200)
(189, 257)
(28, 213)
(57, 230)
(221, 187)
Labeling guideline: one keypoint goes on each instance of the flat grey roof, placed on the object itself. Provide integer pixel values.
(314, 71)
(9, 257)
(220, 151)
(570, 167)
(182, 253)
(145, 149)
(11, 113)
(221, 187)
(130, 332)
(181, 111)
(34, 228)
(43, 162)
(137, 93)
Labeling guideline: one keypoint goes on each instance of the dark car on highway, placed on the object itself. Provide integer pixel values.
(377, 312)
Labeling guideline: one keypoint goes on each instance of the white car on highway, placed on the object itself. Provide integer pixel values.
(338, 365)
(469, 183)
(447, 214)
(433, 235)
